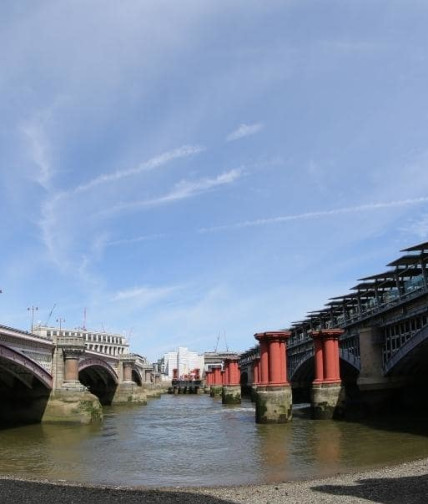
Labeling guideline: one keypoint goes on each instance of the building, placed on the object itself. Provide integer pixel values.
(95, 341)
(184, 360)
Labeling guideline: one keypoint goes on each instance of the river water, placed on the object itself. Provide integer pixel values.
(193, 440)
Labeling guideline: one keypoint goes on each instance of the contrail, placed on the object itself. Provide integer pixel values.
(316, 215)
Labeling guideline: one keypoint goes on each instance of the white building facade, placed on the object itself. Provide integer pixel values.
(101, 342)
(184, 360)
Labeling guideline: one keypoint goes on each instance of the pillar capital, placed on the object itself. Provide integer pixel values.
(326, 333)
(273, 336)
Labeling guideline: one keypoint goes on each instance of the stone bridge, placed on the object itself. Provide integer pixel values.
(62, 378)
(381, 328)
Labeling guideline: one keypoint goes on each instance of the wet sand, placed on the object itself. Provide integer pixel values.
(405, 484)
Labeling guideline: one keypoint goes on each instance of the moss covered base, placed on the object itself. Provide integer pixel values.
(231, 394)
(128, 393)
(328, 401)
(72, 406)
(273, 404)
(216, 390)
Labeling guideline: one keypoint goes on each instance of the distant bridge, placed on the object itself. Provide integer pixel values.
(33, 367)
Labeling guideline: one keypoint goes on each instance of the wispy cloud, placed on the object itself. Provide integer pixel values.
(39, 150)
(151, 164)
(319, 214)
(145, 295)
(244, 130)
(137, 239)
(183, 190)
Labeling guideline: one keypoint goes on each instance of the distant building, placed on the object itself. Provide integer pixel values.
(102, 342)
(184, 360)
(214, 359)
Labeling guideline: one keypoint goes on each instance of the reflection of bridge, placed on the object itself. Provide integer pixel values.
(383, 343)
(60, 379)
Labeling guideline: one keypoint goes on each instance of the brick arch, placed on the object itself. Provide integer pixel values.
(18, 359)
(99, 363)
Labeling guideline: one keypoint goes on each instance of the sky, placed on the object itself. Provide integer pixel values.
(190, 173)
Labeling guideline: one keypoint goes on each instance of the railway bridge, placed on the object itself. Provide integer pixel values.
(370, 345)
(63, 378)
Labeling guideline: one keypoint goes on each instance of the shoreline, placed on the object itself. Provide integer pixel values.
(404, 483)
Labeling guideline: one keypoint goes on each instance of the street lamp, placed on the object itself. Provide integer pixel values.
(33, 309)
(60, 320)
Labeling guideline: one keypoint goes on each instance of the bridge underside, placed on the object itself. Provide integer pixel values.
(99, 382)
(412, 374)
(23, 396)
(302, 379)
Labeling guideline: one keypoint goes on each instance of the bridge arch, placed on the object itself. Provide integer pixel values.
(400, 359)
(304, 370)
(24, 388)
(136, 376)
(23, 368)
(99, 377)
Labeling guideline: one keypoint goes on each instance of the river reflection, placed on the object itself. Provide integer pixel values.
(195, 440)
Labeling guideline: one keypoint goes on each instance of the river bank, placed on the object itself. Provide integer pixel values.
(405, 484)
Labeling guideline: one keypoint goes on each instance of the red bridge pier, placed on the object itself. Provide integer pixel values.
(327, 395)
(273, 397)
(231, 393)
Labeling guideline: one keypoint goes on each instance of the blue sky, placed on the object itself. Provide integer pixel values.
(185, 170)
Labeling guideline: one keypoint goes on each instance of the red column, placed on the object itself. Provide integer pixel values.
(318, 359)
(223, 378)
(217, 376)
(327, 361)
(264, 359)
(274, 345)
(233, 370)
(255, 365)
(175, 374)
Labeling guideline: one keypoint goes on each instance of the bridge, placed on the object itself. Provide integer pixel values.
(378, 333)
(64, 377)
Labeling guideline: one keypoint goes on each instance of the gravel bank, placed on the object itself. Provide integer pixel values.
(404, 484)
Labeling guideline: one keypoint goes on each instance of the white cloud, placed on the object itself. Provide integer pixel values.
(151, 164)
(183, 190)
(244, 130)
(39, 150)
(144, 296)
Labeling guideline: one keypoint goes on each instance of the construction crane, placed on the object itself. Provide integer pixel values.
(50, 315)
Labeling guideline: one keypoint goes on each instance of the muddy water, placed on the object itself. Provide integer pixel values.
(194, 440)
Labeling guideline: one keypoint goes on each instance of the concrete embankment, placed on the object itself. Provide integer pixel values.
(403, 484)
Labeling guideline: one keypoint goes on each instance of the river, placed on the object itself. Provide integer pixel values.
(193, 440)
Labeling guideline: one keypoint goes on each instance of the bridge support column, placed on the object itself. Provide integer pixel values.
(274, 398)
(216, 388)
(70, 401)
(127, 391)
(327, 396)
(231, 393)
(256, 378)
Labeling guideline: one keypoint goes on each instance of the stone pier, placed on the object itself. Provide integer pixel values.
(127, 391)
(231, 393)
(70, 401)
(327, 396)
(273, 398)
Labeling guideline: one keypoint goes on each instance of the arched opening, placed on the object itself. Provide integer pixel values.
(136, 377)
(24, 389)
(411, 372)
(99, 378)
